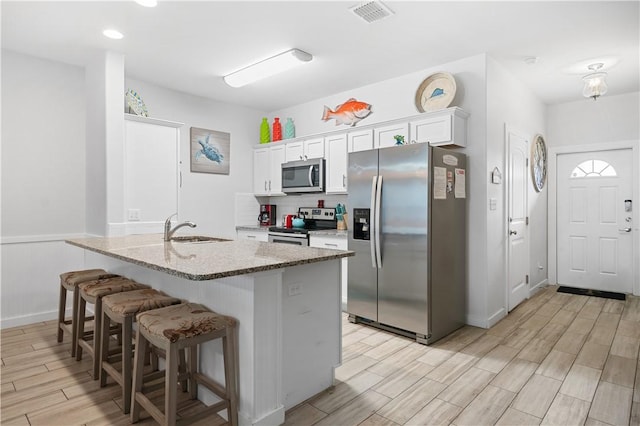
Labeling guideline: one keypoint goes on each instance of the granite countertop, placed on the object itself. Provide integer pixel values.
(205, 260)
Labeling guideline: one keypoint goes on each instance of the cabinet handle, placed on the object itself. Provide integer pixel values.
(330, 245)
(344, 177)
(300, 156)
(251, 236)
(305, 158)
(180, 179)
(269, 184)
(265, 185)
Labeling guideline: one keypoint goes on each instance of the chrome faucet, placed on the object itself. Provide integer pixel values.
(168, 232)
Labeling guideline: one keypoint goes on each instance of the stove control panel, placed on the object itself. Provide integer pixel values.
(317, 213)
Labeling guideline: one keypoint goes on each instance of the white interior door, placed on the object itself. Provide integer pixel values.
(518, 243)
(594, 232)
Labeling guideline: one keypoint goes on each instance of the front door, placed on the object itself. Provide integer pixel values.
(594, 239)
(518, 242)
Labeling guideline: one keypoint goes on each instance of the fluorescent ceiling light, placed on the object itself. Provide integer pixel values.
(147, 3)
(114, 34)
(267, 68)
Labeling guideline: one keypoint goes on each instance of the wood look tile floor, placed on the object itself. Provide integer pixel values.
(557, 359)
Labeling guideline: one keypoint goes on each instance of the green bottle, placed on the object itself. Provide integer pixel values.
(265, 133)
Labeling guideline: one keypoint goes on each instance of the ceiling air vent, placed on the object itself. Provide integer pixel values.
(371, 11)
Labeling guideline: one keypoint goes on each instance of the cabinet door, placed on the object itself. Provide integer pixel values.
(275, 164)
(433, 130)
(360, 141)
(294, 151)
(384, 136)
(313, 148)
(336, 163)
(261, 171)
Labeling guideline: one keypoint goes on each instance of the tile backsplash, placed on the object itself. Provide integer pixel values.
(247, 210)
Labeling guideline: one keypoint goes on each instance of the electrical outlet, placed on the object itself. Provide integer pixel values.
(295, 289)
(133, 215)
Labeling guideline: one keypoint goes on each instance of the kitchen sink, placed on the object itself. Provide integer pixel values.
(197, 239)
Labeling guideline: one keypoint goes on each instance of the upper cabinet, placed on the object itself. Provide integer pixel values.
(385, 136)
(360, 140)
(267, 170)
(445, 127)
(304, 150)
(336, 163)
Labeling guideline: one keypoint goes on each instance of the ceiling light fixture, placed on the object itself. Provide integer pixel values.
(271, 66)
(595, 84)
(114, 34)
(147, 3)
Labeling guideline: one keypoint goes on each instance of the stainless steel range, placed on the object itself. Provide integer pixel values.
(314, 219)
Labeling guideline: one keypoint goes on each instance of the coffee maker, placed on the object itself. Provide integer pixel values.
(267, 215)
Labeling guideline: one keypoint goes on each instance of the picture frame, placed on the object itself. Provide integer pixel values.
(210, 151)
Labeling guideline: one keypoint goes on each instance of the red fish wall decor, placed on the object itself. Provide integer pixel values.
(348, 113)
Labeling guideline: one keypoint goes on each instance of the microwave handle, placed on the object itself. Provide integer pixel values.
(310, 175)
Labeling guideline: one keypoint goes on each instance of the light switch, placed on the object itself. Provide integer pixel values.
(493, 203)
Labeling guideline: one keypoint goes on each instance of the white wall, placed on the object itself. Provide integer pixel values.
(511, 103)
(43, 182)
(394, 98)
(585, 121)
(43, 124)
(207, 199)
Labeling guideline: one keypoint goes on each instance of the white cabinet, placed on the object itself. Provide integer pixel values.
(360, 140)
(384, 136)
(335, 148)
(151, 173)
(304, 150)
(334, 242)
(445, 127)
(267, 170)
(257, 235)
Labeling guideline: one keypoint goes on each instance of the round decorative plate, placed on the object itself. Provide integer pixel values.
(538, 163)
(436, 92)
(136, 104)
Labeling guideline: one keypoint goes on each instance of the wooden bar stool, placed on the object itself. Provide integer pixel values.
(121, 308)
(93, 292)
(172, 329)
(69, 282)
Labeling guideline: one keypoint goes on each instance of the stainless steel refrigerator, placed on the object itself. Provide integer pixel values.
(408, 228)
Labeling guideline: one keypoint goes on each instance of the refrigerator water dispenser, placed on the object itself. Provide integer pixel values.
(361, 219)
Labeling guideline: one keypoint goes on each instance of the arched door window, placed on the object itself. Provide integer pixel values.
(593, 168)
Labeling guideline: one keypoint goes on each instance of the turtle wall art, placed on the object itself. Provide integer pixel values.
(210, 151)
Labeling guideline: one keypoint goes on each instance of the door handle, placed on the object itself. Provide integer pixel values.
(377, 227)
(372, 214)
(513, 232)
(624, 230)
(310, 175)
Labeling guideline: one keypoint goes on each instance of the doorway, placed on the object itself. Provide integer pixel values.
(593, 230)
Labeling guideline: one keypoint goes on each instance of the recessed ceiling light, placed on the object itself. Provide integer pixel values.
(147, 3)
(114, 34)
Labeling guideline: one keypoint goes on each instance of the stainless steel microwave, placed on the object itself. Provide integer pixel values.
(303, 176)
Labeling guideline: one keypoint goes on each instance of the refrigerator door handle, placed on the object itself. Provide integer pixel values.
(377, 227)
(371, 221)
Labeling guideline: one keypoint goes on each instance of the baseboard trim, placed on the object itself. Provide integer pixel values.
(536, 288)
(35, 318)
(275, 417)
(476, 322)
(493, 319)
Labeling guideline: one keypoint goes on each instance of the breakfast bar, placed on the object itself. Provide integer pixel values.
(286, 300)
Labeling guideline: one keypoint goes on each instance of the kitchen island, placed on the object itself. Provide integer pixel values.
(286, 300)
